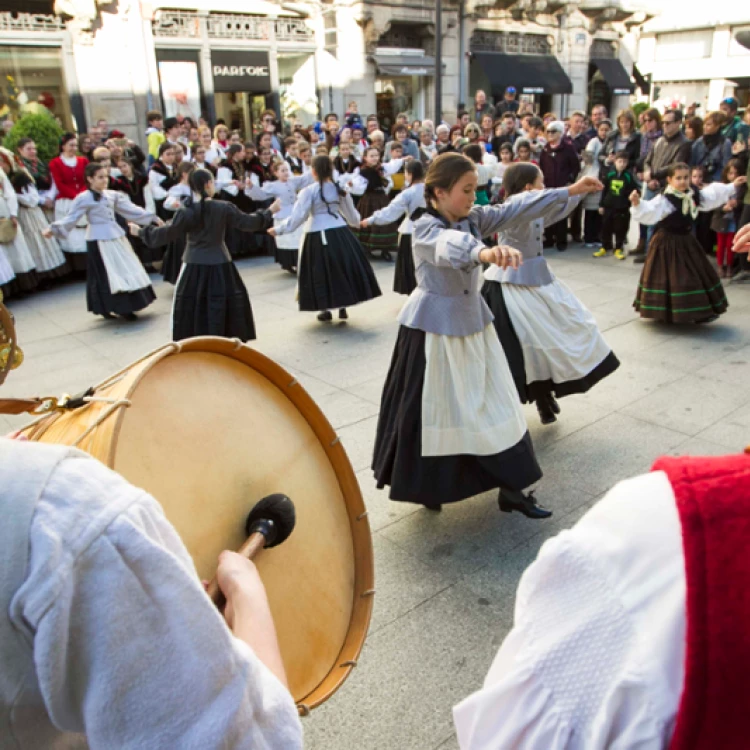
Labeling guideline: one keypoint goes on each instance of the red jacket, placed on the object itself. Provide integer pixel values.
(70, 181)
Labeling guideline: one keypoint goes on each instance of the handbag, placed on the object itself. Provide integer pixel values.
(7, 231)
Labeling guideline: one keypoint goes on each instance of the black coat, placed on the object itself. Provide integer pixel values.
(632, 148)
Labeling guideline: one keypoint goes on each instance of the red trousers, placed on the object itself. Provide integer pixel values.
(724, 242)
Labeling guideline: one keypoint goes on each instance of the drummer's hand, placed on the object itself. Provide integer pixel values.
(501, 255)
(247, 611)
(742, 240)
(134, 229)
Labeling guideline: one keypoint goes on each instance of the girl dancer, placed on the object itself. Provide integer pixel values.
(116, 282)
(334, 271)
(161, 177)
(372, 184)
(210, 298)
(449, 428)
(178, 195)
(136, 186)
(15, 251)
(551, 340)
(410, 202)
(678, 284)
(67, 171)
(285, 188)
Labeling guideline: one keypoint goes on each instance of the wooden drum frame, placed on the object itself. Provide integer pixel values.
(209, 426)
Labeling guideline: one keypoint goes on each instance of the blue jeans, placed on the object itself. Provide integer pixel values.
(647, 231)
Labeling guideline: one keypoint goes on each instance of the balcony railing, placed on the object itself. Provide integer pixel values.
(30, 22)
(181, 23)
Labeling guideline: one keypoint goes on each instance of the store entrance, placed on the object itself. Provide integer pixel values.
(242, 111)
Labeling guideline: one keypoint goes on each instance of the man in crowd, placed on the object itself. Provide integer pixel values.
(579, 139)
(464, 118)
(269, 126)
(372, 124)
(509, 103)
(735, 129)
(671, 148)
(598, 113)
(444, 144)
(482, 107)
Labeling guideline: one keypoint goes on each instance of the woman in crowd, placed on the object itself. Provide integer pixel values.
(624, 138)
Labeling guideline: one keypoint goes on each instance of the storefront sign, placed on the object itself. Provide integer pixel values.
(533, 90)
(620, 92)
(236, 70)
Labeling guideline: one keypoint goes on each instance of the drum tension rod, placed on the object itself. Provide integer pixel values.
(75, 402)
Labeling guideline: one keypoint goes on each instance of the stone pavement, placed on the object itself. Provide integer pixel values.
(445, 582)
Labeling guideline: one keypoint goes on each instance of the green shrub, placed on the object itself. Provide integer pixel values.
(42, 129)
(638, 108)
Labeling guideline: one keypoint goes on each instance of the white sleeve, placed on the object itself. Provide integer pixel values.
(359, 183)
(11, 198)
(392, 166)
(128, 648)
(29, 197)
(348, 211)
(716, 195)
(224, 181)
(652, 211)
(148, 197)
(155, 180)
(51, 193)
(300, 211)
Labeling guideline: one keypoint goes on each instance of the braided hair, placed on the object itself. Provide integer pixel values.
(198, 182)
(324, 171)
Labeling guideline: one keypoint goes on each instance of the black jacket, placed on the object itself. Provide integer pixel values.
(617, 189)
(632, 148)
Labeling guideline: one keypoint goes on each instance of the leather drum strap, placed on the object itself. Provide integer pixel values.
(20, 405)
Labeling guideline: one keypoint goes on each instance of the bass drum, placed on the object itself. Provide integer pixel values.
(209, 426)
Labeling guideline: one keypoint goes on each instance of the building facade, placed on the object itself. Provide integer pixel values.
(694, 58)
(87, 60)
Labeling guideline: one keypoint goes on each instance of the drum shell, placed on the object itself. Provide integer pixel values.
(179, 422)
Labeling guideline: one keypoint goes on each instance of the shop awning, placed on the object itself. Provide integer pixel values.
(614, 74)
(404, 65)
(530, 74)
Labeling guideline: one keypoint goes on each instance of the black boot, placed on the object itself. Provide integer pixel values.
(510, 500)
(436, 507)
(343, 314)
(325, 316)
(546, 411)
(553, 404)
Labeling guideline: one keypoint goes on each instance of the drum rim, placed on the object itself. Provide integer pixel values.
(359, 525)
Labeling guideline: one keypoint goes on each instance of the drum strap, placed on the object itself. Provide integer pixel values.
(20, 405)
(43, 405)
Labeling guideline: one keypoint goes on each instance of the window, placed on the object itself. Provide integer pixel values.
(684, 45)
(31, 78)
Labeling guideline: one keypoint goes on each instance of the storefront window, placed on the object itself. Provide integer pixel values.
(31, 80)
(299, 105)
(395, 94)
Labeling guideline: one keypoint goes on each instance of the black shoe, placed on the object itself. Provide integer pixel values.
(546, 412)
(325, 316)
(639, 259)
(553, 403)
(107, 316)
(343, 314)
(709, 319)
(386, 255)
(435, 508)
(562, 248)
(510, 500)
(576, 239)
(130, 316)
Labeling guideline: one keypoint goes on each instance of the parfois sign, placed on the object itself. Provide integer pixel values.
(241, 70)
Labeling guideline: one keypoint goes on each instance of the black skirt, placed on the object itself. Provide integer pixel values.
(78, 263)
(212, 301)
(54, 274)
(404, 277)
(287, 259)
(678, 283)
(539, 389)
(100, 299)
(336, 274)
(22, 284)
(377, 238)
(170, 269)
(398, 460)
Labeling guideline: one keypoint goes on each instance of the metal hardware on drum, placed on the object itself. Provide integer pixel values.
(268, 524)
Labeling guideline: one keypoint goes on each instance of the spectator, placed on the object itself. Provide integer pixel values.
(671, 148)
(464, 118)
(428, 149)
(534, 137)
(523, 149)
(735, 129)
(444, 144)
(372, 124)
(173, 133)
(481, 106)
(560, 166)
(624, 138)
(269, 126)
(472, 133)
(401, 135)
(592, 223)
(353, 118)
(650, 134)
(712, 151)
(509, 103)
(505, 132)
(618, 183)
(548, 118)
(486, 126)
(579, 139)
(377, 139)
(598, 114)
(693, 128)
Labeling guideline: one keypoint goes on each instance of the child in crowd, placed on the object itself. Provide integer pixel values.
(619, 183)
(725, 221)
(397, 175)
(154, 134)
(475, 152)
(506, 159)
(523, 151)
(678, 283)
(592, 219)
(296, 167)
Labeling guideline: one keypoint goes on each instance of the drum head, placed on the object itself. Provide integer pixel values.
(212, 430)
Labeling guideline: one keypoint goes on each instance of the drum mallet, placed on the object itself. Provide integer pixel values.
(269, 523)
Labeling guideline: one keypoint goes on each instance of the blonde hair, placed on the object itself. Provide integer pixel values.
(626, 114)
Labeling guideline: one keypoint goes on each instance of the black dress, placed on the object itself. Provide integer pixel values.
(376, 238)
(155, 254)
(135, 190)
(404, 277)
(210, 298)
(678, 284)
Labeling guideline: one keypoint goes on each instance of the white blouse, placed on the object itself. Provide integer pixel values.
(653, 211)
(595, 660)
